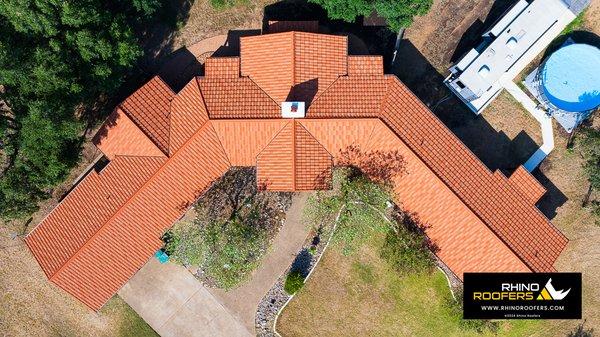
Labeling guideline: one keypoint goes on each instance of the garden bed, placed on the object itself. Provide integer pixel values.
(277, 297)
(229, 230)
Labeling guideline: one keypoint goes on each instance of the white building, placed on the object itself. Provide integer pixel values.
(508, 47)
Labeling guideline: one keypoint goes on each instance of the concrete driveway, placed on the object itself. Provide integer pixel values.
(170, 299)
(174, 303)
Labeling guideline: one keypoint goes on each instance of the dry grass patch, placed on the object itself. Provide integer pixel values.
(31, 306)
(361, 295)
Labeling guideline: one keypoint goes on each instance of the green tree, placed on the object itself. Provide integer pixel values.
(398, 13)
(347, 10)
(56, 59)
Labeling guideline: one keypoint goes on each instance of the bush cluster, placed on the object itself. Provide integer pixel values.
(293, 282)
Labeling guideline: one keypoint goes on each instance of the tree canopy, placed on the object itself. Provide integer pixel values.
(56, 59)
(398, 13)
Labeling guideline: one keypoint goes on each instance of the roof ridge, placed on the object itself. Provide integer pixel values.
(318, 96)
(315, 138)
(104, 226)
(520, 197)
(294, 154)
(293, 49)
(272, 139)
(145, 133)
(194, 80)
(261, 89)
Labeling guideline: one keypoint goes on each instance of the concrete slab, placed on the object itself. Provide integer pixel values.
(174, 303)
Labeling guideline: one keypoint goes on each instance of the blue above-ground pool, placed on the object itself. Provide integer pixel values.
(571, 78)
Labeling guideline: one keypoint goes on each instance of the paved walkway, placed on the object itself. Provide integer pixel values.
(170, 299)
(545, 124)
(174, 303)
(244, 300)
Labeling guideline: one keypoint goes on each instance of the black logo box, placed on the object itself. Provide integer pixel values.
(521, 309)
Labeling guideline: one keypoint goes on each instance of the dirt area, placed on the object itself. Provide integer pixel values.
(510, 135)
(204, 21)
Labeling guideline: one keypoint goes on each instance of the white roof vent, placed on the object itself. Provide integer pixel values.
(292, 110)
(484, 71)
(511, 43)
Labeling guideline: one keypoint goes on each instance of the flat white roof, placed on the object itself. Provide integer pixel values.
(511, 44)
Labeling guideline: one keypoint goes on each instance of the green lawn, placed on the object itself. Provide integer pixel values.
(360, 294)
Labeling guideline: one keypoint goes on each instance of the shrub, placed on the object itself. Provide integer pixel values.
(293, 282)
(407, 250)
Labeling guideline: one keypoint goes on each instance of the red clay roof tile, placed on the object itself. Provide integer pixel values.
(244, 139)
(499, 205)
(117, 244)
(481, 220)
(269, 61)
(188, 114)
(222, 67)
(525, 183)
(351, 97)
(365, 65)
(120, 136)
(304, 65)
(275, 163)
(236, 98)
(148, 107)
(86, 208)
(313, 164)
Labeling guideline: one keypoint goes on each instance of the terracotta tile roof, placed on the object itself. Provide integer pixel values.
(294, 161)
(244, 139)
(222, 67)
(86, 208)
(275, 163)
(318, 59)
(148, 107)
(338, 135)
(465, 242)
(313, 164)
(114, 246)
(525, 183)
(365, 65)
(351, 97)
(288, 26)
(120, 136)
(304, 66)
(495, 201)
(110, 224)
(188, 114)
(272, 71)
(236, 98)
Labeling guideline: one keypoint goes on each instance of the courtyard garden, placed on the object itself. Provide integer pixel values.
(228, 230)
(379, 275)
